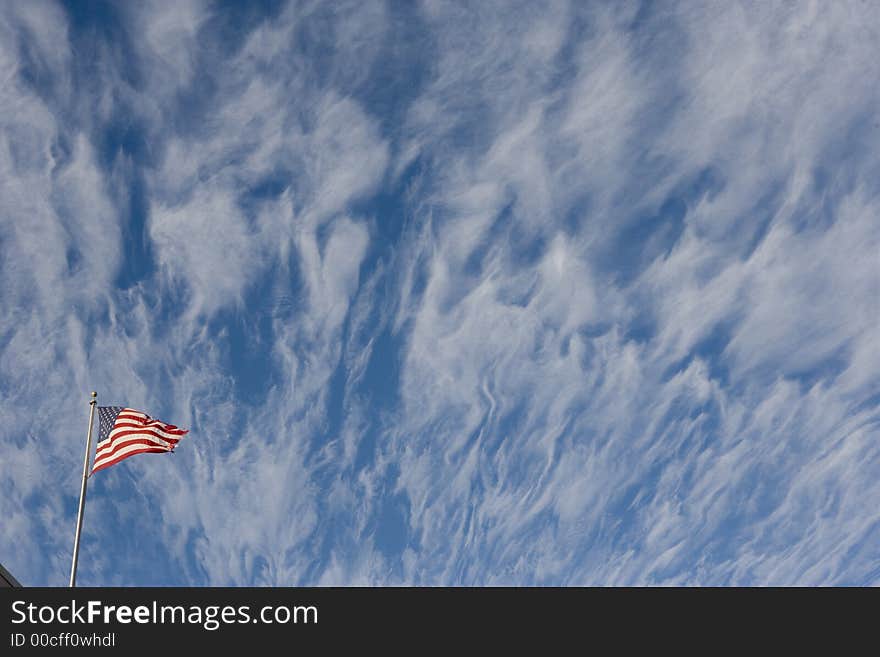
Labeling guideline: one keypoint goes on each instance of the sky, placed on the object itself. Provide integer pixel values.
(447, 293)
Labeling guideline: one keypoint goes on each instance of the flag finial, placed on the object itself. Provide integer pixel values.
(94, 397)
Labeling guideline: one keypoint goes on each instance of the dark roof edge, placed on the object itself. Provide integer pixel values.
(5, 574)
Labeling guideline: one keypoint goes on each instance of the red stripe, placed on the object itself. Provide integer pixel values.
(144, 423)
(136, 415)
(119, 444)
(165, 435)
(133, 415)
(107, 464)
(153, 432)
(170, 428)
(114, 458)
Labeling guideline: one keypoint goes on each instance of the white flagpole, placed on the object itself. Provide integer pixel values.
(82, 492)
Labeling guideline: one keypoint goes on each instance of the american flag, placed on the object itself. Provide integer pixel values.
(125, 432)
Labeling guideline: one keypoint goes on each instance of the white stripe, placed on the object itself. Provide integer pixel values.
(133, 415)
(162, 442)
(122, 452)
(157, 431)
(137, 436)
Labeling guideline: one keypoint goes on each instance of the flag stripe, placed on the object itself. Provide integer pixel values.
(134, 437)
(125, 432)
(121, 447)
(123, 427)
(107, 463)
(125, 448)
(128, 415)
(162, 442)
(143, 423)
(120, 429)
(152, 432)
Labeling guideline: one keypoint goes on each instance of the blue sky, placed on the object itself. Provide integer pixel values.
(455, 293)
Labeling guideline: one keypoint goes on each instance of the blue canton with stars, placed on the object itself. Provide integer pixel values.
(107, 417)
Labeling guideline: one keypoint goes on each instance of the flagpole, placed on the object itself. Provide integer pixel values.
(82, 491)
